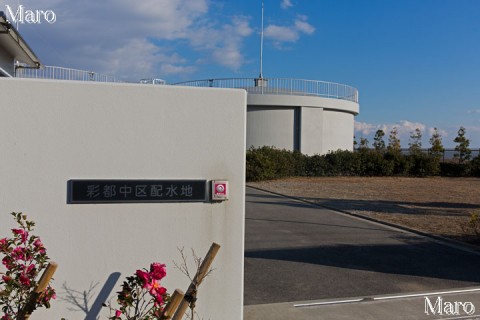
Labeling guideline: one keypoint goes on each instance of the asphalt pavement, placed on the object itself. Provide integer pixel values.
(295, 251)
(389, 307)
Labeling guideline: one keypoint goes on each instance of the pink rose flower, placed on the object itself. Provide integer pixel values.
(155, 288)
(143, 276)
(38, 243)
(159, 299)
(24, 280)
(39, 247)
(19, 253)
(31, 270)
(22, 233)
(18, 231)
(6, 278)
(118, 313)
(158, 271)
(3, 243)
(7, 262)
(159, 293)
(48, 294)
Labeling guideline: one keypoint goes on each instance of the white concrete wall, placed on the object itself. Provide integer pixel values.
(338, 131)
(54, 131)
(311, 136)
(326, 124)
(270, 126)
(302, 101)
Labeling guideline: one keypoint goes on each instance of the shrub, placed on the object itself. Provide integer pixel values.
(142, 296)
(259, 166)
(452, 169)
(472, 227)
(474, 167)
(400, 162)
(423, 165)
(374, 163)
(316, 166)
(268, 163)
(25, 258)
(343, 163)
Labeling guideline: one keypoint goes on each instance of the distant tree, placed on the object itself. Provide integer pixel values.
(462, 150)
(415, 144)
(394, 141)
(363, 143)
(378, 143)
(436, 145)
(355, 143)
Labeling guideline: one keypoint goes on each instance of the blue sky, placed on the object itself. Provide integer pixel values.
(416, 63)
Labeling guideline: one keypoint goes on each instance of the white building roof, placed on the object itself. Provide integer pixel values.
(12, 42)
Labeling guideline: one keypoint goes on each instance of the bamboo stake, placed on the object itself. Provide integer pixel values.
(47, 275)
(173, 304)
(197, 280)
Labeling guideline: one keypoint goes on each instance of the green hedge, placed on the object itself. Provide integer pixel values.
(268, 163)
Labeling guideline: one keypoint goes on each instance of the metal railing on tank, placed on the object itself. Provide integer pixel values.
(281, 86)
(60, 73)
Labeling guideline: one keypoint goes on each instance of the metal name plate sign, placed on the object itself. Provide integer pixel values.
(114, 191)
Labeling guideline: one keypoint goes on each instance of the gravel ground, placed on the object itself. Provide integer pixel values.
(439, 206)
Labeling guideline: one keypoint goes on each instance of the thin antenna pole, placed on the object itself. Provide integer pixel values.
(261, 47)
(18, 5)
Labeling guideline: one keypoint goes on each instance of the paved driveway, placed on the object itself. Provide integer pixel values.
(297, 252)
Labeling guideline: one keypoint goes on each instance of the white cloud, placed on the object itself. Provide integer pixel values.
(136, 39)
(149, 60)
(166, 19)
(406, 127)
(302, 25)
(229, 56)
(286, 4)
(290, 33)
(472, 129)
(224, 44)
(365, 128)
(283, 34)
(241, 26)
(443, 133)
(474, 111)
(122, 61)
(168, 69)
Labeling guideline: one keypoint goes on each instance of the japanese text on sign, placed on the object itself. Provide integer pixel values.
(109, 191)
